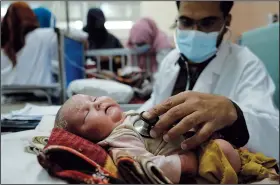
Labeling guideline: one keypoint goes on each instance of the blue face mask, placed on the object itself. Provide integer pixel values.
(197, 46)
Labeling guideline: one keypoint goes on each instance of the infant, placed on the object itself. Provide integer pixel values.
(101, 120)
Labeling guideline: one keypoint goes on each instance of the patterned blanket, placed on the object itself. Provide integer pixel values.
(77, 160)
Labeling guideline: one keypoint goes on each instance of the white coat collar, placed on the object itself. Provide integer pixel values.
(217, 63)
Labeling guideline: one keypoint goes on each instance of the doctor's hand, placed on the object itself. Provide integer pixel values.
(205, 113)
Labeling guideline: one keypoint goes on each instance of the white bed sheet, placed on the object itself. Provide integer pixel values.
(17, 166)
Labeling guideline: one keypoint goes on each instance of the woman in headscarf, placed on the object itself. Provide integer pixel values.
(45, 17)
(100, 38)
(145, 31)
(26, 49)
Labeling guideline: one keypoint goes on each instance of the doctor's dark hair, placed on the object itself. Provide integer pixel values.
(225, 6)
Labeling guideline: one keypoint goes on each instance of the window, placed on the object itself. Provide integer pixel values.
(119, 14)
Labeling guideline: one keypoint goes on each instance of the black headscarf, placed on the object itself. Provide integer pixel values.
(99, 37)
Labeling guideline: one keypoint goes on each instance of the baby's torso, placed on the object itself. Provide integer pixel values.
(121, 137)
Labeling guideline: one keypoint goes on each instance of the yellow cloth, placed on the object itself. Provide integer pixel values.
(214, 166)
(255, 165)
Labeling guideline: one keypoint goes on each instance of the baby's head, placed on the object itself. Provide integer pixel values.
(93, 118)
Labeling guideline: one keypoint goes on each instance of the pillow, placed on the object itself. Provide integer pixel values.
(98, 87)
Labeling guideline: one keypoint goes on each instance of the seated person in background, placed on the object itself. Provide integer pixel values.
(99, 37)
(145, 31)
(47, 19)
(101, 120)
(26, 49)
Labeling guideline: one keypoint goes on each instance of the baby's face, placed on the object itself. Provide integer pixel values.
(93, 118)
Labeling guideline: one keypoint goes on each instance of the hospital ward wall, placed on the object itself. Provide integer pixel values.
(246, 16)
(250, 15)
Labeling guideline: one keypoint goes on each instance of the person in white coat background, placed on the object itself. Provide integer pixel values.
(211, 85)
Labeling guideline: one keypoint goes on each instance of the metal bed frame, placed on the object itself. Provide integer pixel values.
(131, 55)
(61, 86)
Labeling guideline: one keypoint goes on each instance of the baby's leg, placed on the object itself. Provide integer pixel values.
(231, 154)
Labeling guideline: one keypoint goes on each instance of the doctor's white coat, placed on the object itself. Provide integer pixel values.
(239, 75)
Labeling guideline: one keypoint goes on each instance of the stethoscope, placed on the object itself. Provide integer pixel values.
(143, 126)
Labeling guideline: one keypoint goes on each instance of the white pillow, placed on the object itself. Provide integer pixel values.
(97, 87)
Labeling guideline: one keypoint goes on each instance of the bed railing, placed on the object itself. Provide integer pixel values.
(128, 57)
(71, 64)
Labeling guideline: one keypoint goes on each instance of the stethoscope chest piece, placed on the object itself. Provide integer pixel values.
(144, 126)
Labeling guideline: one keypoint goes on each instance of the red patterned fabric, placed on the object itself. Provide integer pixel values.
(77, 160)
(87, 148)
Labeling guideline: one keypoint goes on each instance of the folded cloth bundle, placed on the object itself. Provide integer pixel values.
(139, 170)
(78, 160)
(256, 166)
(74, 167)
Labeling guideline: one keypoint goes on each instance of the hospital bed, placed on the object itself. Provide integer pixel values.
(20, 167)
(129, 59)
(71, 66)
(124, 53)
(18, 89)
(69, 48)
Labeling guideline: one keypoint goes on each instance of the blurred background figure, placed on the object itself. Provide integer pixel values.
(45, 17)
(100, 38)
(26, 49)
(146, 32)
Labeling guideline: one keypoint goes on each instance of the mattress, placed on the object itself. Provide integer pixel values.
(18, 166)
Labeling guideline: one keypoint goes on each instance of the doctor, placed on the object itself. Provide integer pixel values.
(213, 86)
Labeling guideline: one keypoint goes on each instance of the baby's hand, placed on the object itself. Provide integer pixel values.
(189, 163)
